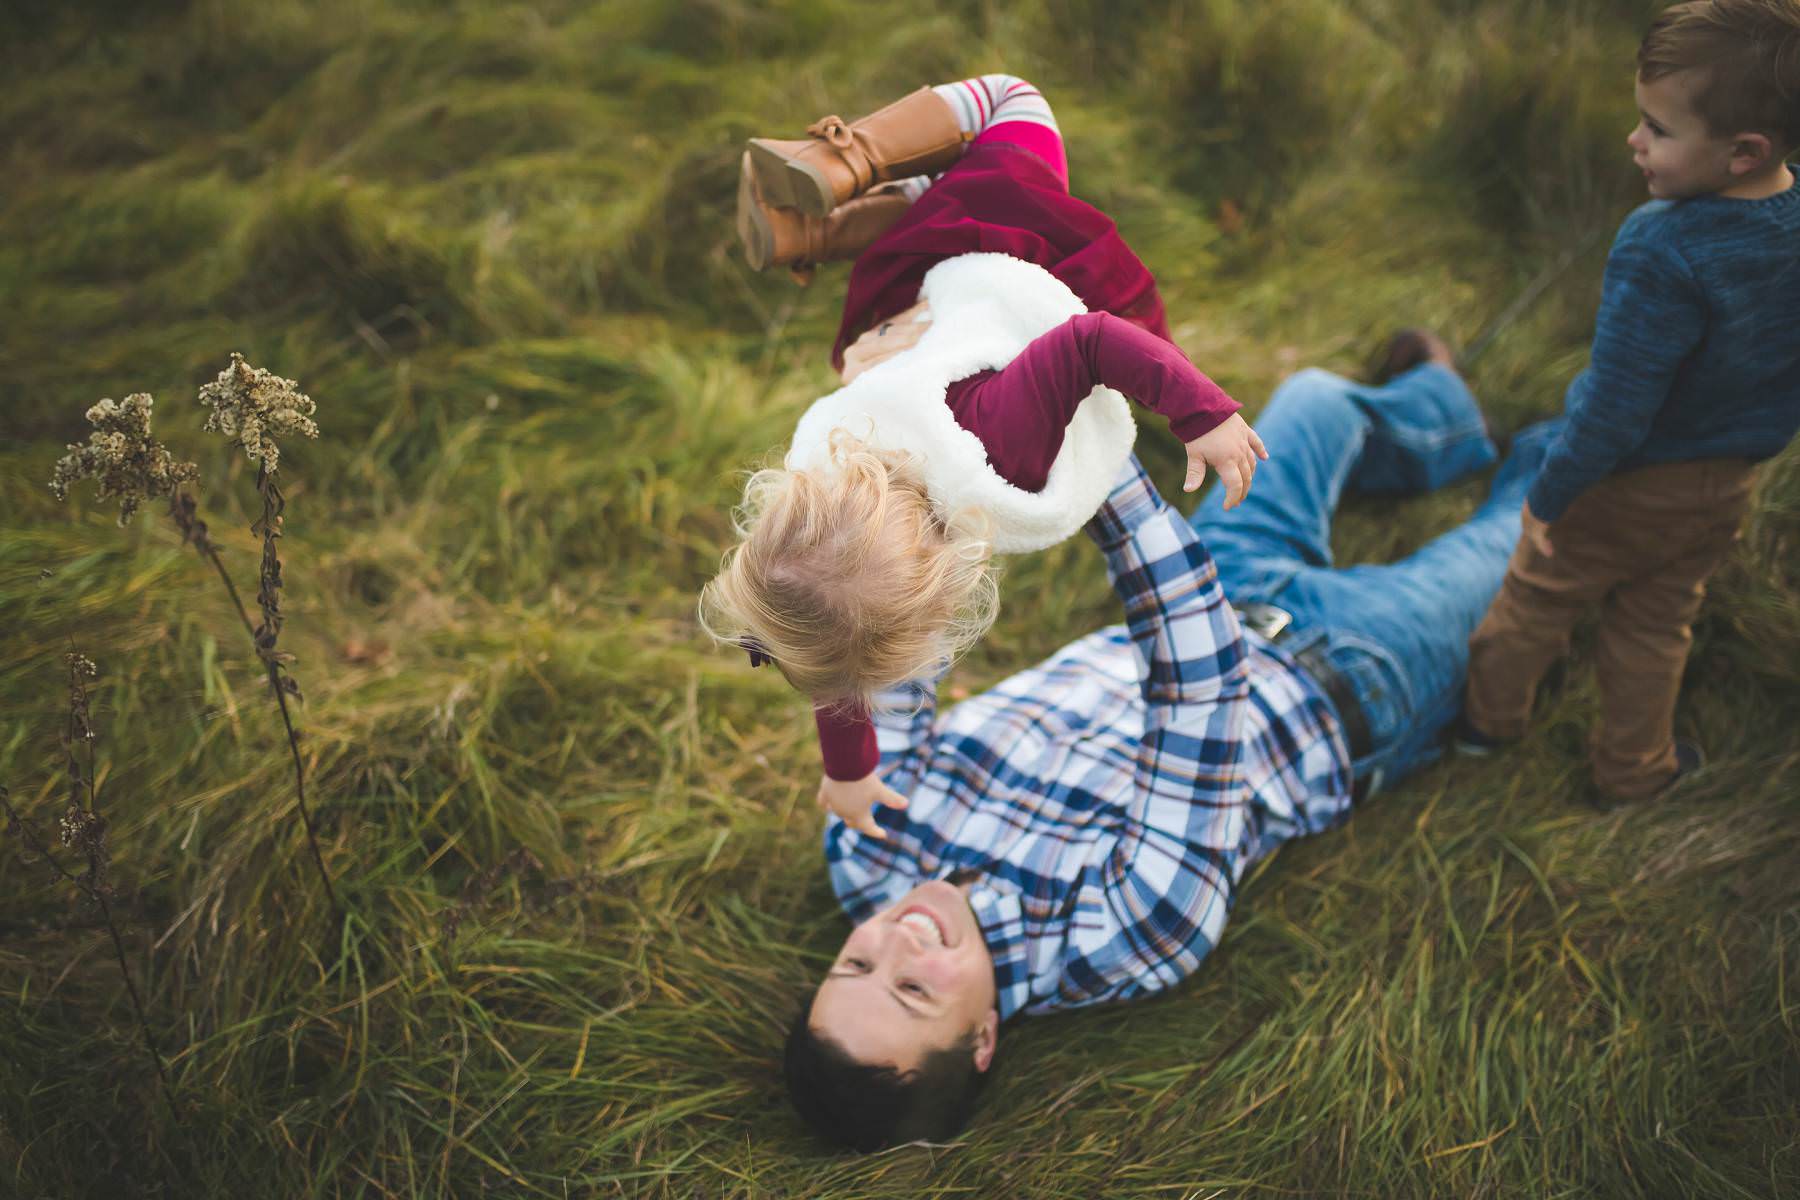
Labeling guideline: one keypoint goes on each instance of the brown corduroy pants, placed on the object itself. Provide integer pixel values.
(1640, 544)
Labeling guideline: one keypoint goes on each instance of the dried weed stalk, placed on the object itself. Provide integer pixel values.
(475, 889)
(256, 408)
(83, 829)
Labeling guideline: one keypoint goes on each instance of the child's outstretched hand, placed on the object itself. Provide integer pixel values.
(1233, 450)
(855, 800)
(1536, 533)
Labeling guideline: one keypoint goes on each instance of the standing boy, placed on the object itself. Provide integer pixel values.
(1694, 377)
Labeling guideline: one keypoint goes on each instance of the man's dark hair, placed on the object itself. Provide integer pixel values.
(868, 1106)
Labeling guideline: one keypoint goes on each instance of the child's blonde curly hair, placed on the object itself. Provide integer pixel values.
(849, 578)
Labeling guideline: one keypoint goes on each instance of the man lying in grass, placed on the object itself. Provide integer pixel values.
(1075, 835)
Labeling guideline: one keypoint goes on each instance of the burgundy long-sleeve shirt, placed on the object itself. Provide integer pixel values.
(1020, 414)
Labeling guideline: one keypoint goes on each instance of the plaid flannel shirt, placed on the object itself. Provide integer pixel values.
(1107, 802)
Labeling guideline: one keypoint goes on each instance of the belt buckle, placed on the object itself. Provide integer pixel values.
(1268, 621)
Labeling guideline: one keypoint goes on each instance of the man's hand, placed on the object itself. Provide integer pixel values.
(855, 800)
(900, 332)
(1233, 450)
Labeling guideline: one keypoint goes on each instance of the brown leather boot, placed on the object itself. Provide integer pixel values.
(915, 135)
(776, 237)
(1406, 350)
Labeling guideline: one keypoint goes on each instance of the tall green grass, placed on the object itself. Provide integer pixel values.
(494, 242)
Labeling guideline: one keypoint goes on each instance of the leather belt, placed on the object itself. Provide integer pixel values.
(1275, 624)
(1337, 689)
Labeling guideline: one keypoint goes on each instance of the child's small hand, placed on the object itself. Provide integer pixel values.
(1233, 449)
(1537, 533)
(854, 800)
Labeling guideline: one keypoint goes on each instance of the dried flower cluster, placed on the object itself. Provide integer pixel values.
(256, 407)
(129, 464)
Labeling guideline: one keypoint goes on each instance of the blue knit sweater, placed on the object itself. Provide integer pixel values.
(1696, 345)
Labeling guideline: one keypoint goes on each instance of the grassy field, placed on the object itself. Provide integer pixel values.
(493, 241)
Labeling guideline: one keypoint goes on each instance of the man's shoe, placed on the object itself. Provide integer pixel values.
(1470, 742)
(1406, 350)
(915, 135)
(774, 236)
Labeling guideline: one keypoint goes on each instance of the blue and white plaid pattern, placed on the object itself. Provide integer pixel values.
(1109, 800)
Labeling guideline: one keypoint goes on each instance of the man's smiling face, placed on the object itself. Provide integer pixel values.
(913, 978)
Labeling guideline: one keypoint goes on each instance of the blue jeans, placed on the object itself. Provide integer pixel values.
(1398, 633)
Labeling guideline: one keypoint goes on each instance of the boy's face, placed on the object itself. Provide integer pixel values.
(1679, 156)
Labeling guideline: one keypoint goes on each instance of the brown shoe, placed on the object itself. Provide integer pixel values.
(776, 237)
(1406, 350)
(915, 135)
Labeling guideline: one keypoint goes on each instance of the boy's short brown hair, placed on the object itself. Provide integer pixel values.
(1750, 51)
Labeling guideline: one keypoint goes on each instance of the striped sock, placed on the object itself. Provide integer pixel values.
(992, 99)
(982, 102)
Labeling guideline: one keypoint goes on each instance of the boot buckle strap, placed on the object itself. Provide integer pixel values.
(840, 137)
(832, 129)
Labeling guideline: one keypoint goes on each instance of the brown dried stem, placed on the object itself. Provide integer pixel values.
(36, 844)
(267, 636)
(84, 827)
(183, 512)
(264, 636)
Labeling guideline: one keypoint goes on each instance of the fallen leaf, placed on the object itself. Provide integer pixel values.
(1231, 218)
(363, 653)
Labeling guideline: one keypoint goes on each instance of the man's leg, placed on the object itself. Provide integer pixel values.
(1399, 633)
(1326, 433)
(1315, 431)
(1429, 432)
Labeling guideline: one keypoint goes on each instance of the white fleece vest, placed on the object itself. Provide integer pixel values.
(985, 309)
